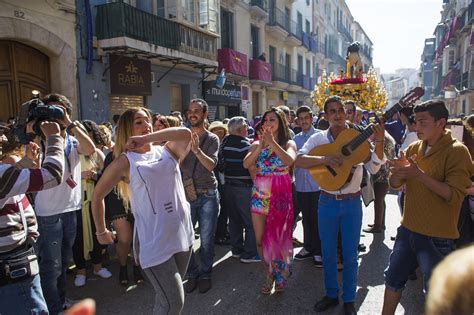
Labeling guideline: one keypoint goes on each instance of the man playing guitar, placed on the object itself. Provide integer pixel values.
(341, 209)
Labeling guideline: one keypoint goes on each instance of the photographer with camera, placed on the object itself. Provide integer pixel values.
(20, 288)
(56, 208)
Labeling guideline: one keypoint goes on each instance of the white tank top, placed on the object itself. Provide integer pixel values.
(162, 214)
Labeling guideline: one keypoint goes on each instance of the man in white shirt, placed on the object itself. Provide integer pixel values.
(55, 210)
(340, 210)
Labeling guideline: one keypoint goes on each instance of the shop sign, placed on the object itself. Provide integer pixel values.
(129, 76)
(228, 94)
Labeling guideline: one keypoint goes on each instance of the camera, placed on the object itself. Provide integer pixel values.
(35, 110)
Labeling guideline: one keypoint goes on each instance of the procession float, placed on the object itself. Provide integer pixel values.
(363, 88)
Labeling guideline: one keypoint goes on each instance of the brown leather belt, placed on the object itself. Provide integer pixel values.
(341, 196)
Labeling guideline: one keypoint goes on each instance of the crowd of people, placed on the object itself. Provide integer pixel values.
(151, 184)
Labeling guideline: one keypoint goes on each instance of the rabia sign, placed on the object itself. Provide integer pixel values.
(228, 94)
(129, 76)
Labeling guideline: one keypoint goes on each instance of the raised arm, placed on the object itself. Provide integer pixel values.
(15, 181)
(177, 140)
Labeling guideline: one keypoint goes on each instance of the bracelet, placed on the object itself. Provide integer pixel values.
(101, 233)
(74, 124)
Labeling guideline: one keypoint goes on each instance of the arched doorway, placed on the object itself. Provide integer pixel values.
(22, 69)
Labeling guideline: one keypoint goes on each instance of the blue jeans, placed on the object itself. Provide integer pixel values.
(238, 203)
(346, 216)
(204, 210)
(57, 234)
(410, 251)
(23, 298)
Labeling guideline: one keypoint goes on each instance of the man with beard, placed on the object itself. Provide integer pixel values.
(197, 169)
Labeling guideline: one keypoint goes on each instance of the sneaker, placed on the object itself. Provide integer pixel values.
(103, 273)
(80, 280)
(253, 259)
(318, 261)
(236, 256)
(303, 254)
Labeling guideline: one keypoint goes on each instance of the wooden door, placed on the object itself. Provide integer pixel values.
(22, 69)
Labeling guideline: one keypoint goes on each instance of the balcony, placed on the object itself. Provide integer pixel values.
(343, 30)
(306, 39)
(304, 81)
(278, 24)
(120, 26)
(296, 34)
(259, 8)
(313, 45)
(260, 72)
(295, 84)
(280, 75)
(452, 79)
(233, 62)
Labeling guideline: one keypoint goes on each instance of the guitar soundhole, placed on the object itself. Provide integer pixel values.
(331, 170)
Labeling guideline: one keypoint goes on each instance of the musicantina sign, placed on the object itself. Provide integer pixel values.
(129, 76)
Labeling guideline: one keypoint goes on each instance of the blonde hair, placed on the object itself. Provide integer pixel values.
(173, 121)
(107, 135)
(123, 132)
(451, 285)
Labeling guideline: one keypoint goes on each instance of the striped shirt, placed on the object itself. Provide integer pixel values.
(15, 181)
(231, 158)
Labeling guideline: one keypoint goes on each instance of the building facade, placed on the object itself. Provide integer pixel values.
(110, 55)
(453, 64)
(38, 49)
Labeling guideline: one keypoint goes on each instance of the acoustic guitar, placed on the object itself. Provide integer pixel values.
(353, 147)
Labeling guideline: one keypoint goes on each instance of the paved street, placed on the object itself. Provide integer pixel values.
(236, 286)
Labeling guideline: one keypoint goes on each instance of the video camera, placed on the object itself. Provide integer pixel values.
(35, 110)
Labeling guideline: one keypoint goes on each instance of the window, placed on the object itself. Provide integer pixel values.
(160, 8)
(308, 27)
(254, 33)
(213, 16)
(299, 17)
(271, 54)
(308, 67)
(188, 10)
(171, 9)
(227, 29)
(145, 5)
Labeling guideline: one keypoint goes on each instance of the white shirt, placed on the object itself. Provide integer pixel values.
(63, 198)
(373, 165)
(162, 214)
(410, 137)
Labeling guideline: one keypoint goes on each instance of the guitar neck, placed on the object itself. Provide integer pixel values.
(367, 132)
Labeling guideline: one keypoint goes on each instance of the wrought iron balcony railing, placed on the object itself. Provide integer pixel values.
(119, 19)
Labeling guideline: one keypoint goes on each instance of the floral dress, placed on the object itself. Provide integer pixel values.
(272, 197)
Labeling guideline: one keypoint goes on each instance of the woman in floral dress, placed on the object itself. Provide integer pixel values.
(271, 204)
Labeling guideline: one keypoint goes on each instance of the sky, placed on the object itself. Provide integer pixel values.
(397, 29)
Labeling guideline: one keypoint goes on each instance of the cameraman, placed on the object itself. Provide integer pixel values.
(20, 288)
(56, 209)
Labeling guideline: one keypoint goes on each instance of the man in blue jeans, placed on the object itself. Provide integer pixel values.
(55, 210)
(436, 172)
(341, 209)
(238, 190)
(198, 166)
